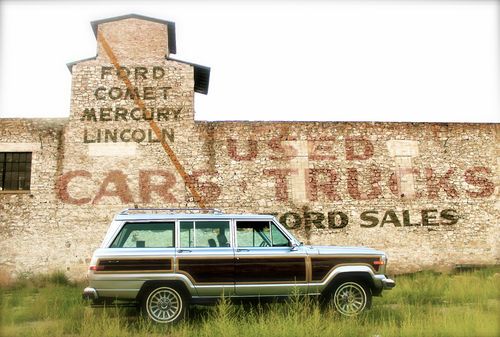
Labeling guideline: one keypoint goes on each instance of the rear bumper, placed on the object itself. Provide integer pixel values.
(388, 283)
(383, 282)
(90, 294)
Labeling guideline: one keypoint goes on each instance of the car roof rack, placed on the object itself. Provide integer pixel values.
(127, 211)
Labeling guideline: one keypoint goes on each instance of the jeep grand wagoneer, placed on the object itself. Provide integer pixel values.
(164, 262)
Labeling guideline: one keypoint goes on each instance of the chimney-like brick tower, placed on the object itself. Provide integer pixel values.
(134, 39)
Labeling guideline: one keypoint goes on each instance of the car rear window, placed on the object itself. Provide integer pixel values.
(146, 235)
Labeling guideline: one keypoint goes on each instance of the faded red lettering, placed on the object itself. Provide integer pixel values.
(146, 187)
(320, 149)
(280, 182)
(435, 184)
(211, 191)
(472, 178)
(328, 187)
(232, 150)
(62, 187)
(119, 179)
(395, 180)
(358, 148)
(373, 184)
(284, 152)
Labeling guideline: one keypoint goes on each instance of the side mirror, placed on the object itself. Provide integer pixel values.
(294, 247)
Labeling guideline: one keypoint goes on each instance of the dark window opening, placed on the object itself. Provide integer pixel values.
(15, 171)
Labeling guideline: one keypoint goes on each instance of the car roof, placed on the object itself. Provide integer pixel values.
(190, 216)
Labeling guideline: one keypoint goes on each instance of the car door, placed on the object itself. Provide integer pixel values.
(206, 256)
(265, 263)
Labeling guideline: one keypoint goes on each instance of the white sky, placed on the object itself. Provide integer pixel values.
(277, 60)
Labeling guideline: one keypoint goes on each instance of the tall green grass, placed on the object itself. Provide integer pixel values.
(422, 304)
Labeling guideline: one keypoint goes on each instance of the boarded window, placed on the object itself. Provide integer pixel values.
(15, 171)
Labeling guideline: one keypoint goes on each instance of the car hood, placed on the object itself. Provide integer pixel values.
(330, 250)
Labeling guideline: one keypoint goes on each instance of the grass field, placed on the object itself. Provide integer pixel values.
(422, 304)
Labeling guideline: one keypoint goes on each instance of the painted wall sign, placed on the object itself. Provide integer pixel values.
(308, 219)
(115, 95)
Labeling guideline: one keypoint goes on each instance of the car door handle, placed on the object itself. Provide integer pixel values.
(183, 251)
(242, 250)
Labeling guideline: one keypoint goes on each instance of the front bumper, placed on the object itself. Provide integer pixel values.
(90, 294)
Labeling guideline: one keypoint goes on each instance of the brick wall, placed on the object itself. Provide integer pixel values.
(425, 193)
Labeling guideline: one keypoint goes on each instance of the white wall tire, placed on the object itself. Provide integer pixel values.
(164, 305)
(351, 298)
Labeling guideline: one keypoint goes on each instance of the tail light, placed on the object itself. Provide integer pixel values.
(379, 264)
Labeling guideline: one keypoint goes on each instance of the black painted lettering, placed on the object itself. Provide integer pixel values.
(169, 134)
(106, 71)
(164, 91)
(138, 135)
(148, 93)
(86, 139)
(451, 215)
(291, 220)
(313, 218)
(337, 220)
(110, 135)
(151, 137)
(98, 95)
(407, 219)
(140, 71)
(123, 72)
(390, 217)
(115, 93)
(122, 135)
(161, 113)
(428, 217)
(158, 73)
(121, 113)
(370, 217)
(131, 94)
(147, 115)
(89, 115)
(136, 114)
(105, 115)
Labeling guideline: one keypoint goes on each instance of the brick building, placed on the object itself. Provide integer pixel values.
(425, 193)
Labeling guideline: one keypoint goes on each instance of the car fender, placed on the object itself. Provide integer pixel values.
(358, 271)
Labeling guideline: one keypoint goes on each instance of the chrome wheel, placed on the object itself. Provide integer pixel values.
(350, 298)
(164, 305)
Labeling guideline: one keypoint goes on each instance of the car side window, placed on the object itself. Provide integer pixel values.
(145, 235)
(259, 234)
(204, 234)
(279, 239)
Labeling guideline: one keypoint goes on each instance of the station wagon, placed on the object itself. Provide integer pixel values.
(163, 260)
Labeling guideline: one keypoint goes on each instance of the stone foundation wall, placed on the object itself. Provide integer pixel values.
(29, 222)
